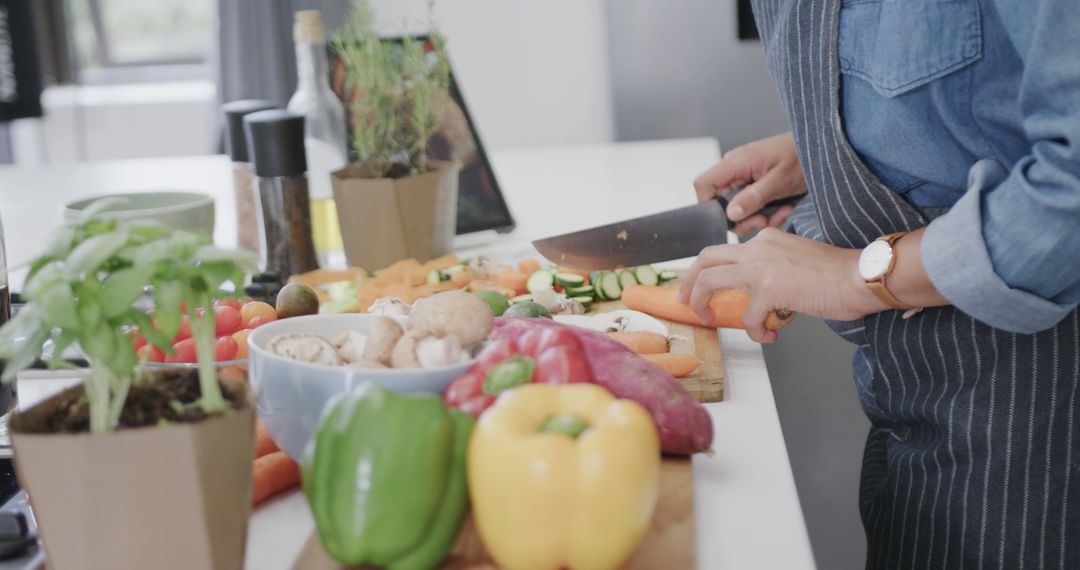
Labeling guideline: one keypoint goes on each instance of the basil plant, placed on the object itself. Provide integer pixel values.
(82, 289)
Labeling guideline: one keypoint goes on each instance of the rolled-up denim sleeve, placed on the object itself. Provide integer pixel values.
(1008, 252)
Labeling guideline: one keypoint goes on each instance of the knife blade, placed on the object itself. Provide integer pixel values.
(663, 236)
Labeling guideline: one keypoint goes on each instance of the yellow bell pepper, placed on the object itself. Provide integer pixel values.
(563, 477)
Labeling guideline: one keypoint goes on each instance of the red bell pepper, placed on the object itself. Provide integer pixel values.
(551, 355)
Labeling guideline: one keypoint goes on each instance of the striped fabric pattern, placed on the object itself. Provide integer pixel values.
(973, 460)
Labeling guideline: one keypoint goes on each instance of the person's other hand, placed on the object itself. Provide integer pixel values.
(781, 271)
(770, 170)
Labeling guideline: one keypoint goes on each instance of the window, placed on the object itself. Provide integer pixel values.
(140, 40)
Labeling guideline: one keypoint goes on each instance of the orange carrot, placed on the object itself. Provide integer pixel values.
(528, 266)
(510, 279)
(264, 445)
(462, 278)
(727, 307)
(678, 365)
(273, 474)
(641, 342)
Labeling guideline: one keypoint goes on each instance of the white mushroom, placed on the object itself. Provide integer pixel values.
(433, 352)
(453, 313)
(390, 306)
(305, 348)
(404, 354)
(350, 346)
(384, 334)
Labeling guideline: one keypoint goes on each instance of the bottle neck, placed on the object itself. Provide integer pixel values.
(312, 67)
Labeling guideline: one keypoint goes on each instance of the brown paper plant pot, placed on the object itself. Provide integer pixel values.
(167, 497)
(384, 220)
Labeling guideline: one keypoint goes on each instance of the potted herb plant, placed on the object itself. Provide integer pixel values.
(136, 468)
(394, 202)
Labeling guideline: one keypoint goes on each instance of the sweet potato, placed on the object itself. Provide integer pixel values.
(683, 423)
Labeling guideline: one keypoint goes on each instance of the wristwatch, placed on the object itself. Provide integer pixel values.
(876, 262)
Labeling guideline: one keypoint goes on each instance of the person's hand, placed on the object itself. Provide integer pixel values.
(770, 170)
(781, 271)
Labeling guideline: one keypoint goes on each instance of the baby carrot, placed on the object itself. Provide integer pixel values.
(727, 307)
(273, 474)
(528, 266)
(510, 279)
(678, 365)
(641, 342)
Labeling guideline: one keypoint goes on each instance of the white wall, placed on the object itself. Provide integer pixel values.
(533, 72)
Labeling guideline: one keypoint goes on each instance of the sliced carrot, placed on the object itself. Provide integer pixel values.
(528, 266)
(264, 444)
(641, 342)
(727, 307)
(273, 474)
(678, 365)
(510, 279)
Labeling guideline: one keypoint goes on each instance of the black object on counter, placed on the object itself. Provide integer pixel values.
(236, 139)
(276, 144)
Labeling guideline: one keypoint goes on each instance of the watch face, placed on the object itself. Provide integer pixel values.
(874, 260)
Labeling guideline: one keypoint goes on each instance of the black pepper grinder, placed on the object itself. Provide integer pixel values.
(276, 146)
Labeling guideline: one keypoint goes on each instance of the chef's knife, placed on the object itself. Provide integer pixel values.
(673, 234)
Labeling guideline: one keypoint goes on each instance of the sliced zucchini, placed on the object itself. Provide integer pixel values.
(569, 280)
(610, 286)
(540, 280)
(434, 277)
(581, 291)
(626, 279)
(521, 298)
(597, 279)
(594, 277)
(646, 275)
(668, 276)
(585, 300)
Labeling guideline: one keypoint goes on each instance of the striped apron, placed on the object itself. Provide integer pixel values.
(972, 460)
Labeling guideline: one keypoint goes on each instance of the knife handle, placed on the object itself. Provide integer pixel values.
(766, 210)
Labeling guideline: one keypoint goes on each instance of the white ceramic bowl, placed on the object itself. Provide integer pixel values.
(179, 210)
(292, 394)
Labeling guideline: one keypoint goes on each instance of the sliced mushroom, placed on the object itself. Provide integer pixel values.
(390, 306)
(453, 313)
(350, 346)
(404, 354)
(305, 348)
(384, 334)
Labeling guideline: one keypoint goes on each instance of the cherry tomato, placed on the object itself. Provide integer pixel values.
(256, 309)
(150, 353)
(493, 354)
(258, 322)
(241, 337)
(562, 365)
(229, 302)
(183, 351)
(226, 320)
(225, 348)
(185, 330)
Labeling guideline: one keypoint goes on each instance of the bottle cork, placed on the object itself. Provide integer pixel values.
(307, 27)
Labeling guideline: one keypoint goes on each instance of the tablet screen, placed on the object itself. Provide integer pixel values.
(481, 205)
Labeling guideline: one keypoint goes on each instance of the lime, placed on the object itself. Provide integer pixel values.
(296, 299)
(527, 309)
(496, 300)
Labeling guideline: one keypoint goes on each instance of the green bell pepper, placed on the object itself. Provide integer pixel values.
(385, 478)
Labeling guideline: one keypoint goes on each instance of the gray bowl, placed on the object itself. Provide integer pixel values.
(292, 394)
(179, 210)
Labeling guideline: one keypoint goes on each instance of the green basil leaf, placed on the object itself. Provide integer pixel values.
(167, 297)
(145, 231)
(60, 242)
(122, 288)
(25, 351)
(99, 342)
(89, 255)
(59, 304)
(152, 335)
(123, 361)
(100, 206)
(46, 277)
(60, 343)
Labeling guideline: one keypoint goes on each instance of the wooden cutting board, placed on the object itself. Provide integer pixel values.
(706, 384)
(669, 542)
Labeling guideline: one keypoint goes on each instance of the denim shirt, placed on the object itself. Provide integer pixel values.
(974, 106)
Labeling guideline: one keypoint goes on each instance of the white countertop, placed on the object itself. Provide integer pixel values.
(748, 513)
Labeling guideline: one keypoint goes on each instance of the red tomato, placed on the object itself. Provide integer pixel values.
(258, 322)
(493, 354)
(229, 302)
(562, 365)
(150, 353)
(225, 348)
(137, 339)
(535, 342)
(226, 320)
(183, 351)
(185, 330)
